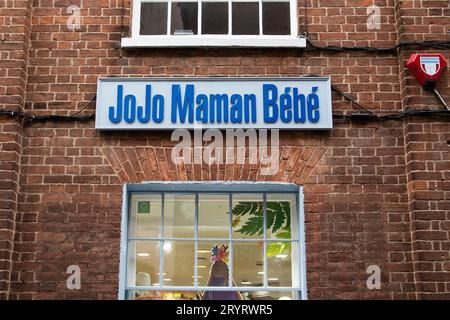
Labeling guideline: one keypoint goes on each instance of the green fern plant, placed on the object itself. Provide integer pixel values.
(278, 221)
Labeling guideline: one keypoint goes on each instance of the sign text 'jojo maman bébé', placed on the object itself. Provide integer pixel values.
(220, 103)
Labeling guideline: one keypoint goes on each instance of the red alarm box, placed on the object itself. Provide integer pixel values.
(427, 68)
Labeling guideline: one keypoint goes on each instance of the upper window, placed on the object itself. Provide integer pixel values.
(247, 23)
(216, 243)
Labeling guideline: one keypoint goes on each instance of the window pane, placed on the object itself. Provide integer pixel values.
(248, 264)
(214, 18)
(184, 18)
(208, 275)
(178, 263)
(245, 18)
(276, 18)
(248, 218)
(153, 18)
(213, 217)
(179, 215)
(143, 263)
(145, 219)
(282, 220)
(279, 263)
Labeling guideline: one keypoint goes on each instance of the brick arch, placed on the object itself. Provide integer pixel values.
(139, 164)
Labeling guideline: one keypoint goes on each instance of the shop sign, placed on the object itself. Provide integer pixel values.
(219, 103)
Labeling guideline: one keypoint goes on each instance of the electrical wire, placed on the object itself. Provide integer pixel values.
(393, 116)
(367, 115)
(348, 98)
(51, 117)
(440, 45)
(94, 97)
(351, 116)
(38, 118)
(371, 116)
(311, 46)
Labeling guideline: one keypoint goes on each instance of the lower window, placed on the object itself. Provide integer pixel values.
(214, 242)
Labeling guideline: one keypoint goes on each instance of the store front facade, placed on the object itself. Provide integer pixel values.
(354, 207)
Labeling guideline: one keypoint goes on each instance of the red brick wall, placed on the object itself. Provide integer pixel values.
(427, 145)
(374, 191)
(10, 139)
(14, 45)
(428, 167)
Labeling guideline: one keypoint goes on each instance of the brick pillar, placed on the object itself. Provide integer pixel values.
(427, 144)
(14, 39)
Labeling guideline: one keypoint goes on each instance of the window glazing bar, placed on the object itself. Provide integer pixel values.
(230, 245)
(161, 243)
(266, 281)
(186, 288)
(196, 241)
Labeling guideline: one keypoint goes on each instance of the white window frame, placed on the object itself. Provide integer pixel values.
(220, 188)
(136, 40)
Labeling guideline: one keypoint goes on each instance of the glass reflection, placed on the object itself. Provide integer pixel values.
(248, 259)
(279, 264)
(143, 263)
(214, 18)
(276, 18)
(153, 18)
(184, 18)
(213, 216)
(179, 215)
(178, 263)
(145, 219)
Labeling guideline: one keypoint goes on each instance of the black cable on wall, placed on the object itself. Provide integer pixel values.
(438, 45)
(365, 115)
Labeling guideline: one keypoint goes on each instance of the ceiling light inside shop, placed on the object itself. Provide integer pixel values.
(167, 247)
(143, 254)
(273, 279)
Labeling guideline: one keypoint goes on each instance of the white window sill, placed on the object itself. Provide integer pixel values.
(214, 41)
